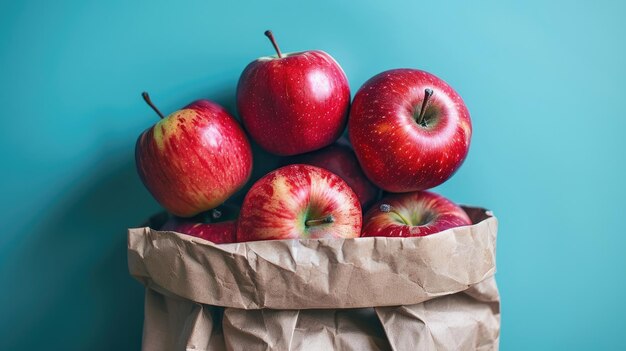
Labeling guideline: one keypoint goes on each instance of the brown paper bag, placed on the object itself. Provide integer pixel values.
(429, 293)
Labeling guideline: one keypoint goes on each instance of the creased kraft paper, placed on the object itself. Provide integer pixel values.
(429, 293)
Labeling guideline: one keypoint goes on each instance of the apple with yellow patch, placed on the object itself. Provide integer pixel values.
(419, 213)
(194, 159)
(299, 201)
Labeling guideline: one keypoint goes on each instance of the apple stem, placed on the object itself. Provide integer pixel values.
(427, 94)
(148, 101)
(270, 35)
(325, 220)
(387, 208)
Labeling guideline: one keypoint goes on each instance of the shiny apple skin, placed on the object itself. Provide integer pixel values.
(339, 158)
(279, 204)
(194, 159)
(395, 152)
(426, 213)
(294, 104)
(263, 163)
(218, 233)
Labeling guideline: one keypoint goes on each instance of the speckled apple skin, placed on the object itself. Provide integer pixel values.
(218, 233)
(440, 212)
(339, 158)
(294, 104)
(395, 152)
(278, 205)
(194, 159)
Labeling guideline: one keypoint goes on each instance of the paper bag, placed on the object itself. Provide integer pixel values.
(429, 293)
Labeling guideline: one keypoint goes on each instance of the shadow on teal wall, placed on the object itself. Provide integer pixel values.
(67, 283)
(69, 280)
(544, 83)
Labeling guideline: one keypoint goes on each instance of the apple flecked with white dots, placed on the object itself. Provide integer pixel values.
(419, 213)
(194, 159)
(299, 202)
(410, 130)
(293, 103)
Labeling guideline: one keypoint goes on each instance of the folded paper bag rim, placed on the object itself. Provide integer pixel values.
(316, 273)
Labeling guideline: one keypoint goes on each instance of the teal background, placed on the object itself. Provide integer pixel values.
(544, 82)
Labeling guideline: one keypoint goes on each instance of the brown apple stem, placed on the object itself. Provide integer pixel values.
(148, 101)
(324, 220)
(387, 208)
(427, 94)
(270, 35)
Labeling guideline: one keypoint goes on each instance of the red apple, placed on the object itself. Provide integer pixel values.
(192, 160)
(418, 213)
(340, 160)
(410, 130)
(263, 163)
(299, 201)
(215, 226)
(293, 103)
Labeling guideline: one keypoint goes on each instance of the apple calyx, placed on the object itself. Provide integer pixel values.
(148, 101)
(268, 33)
(387, 208)
(420, 118)
(318, 221)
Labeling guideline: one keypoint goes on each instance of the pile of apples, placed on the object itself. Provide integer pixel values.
(408, 131)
